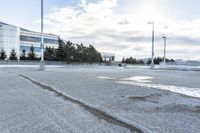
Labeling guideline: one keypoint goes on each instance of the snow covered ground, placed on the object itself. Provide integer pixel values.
(154, 101)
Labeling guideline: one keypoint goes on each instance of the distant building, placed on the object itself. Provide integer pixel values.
(13, 37)
(108, 57)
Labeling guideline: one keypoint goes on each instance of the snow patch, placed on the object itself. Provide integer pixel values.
(141, 79)
(102, 77)
(194, 92)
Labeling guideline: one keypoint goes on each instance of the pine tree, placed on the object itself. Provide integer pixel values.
(60, 51)
(93, 55)
(70, 52)
(31, 54)
(3, 54)
(49, 54)
(123, 60)
(13, 55)
(23, 55)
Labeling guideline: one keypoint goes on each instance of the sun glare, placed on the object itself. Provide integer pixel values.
(148, 10)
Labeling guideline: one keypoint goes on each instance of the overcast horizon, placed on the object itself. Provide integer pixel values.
(115, 26)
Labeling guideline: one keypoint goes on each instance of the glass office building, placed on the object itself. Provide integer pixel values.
(13, 37)
(9, 38)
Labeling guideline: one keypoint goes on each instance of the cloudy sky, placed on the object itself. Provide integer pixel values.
(116, 26)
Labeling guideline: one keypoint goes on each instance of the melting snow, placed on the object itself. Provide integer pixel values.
(194, 92)
(141, 79)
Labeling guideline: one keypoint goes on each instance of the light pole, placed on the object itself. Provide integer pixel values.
(152, 59)
(165, 41)
(42, 63)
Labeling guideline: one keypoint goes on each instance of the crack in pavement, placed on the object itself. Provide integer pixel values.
(94, 111)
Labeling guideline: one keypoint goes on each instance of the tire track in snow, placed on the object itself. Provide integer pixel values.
(96, 112)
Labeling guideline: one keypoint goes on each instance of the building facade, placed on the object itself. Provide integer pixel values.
(108, 57)
(13, 37)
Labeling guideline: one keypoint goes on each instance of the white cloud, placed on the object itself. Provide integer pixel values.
(123, 34)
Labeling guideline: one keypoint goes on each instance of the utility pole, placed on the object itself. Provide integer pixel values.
(152, 59)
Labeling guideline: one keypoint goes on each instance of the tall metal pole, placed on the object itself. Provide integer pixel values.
(152, 59)
(42, 31)
(165, 41)
(42, 63)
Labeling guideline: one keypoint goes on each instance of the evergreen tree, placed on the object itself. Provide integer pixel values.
(132, 60)
(79, 53)
(157, 60)
(123, 60)
(140, 61)
(70, 52)
(60, 51)
(49, 54)
(13, 55)
(23, 55)
(31, 54)
(3, 54)
(83, 52)
(93, 55)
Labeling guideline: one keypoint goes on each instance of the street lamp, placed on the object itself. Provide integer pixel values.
(152, 59)
(42, 63)
(165, 40)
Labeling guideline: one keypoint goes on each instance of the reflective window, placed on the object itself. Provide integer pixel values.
(37, 39)
(27, 48)
(50, 41)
